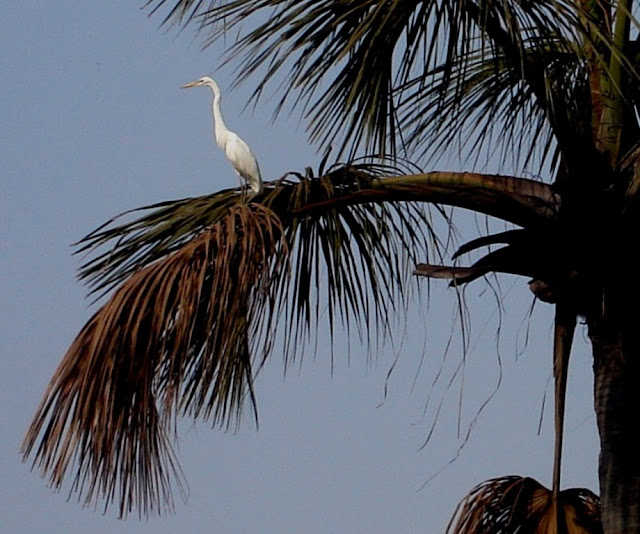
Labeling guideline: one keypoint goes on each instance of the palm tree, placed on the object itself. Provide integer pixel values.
(200, 284)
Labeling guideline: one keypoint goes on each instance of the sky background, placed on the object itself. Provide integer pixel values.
(93, 124)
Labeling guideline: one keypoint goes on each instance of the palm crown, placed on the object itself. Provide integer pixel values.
(199, 283)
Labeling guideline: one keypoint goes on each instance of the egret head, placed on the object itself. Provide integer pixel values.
(205, 80)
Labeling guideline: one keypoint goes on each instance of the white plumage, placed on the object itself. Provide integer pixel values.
(234, 147)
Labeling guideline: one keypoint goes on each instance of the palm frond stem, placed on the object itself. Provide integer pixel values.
(527, 203)
(564, 327)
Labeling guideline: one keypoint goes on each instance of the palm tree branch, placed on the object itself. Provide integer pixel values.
(165, 227)
(507, 260)
(524, 202)
(201, 286)
(178, 336)
(564, 327)
(312, 37)
(506, 237)
(533, 69)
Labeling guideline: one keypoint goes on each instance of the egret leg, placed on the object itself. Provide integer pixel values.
(243, 188)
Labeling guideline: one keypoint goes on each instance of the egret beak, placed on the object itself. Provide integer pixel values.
(187, 85)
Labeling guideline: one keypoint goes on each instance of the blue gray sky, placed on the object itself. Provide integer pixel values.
(94, 123)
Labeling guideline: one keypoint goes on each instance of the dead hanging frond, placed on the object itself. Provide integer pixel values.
(119, 250)
(514, 504)
(177, 337)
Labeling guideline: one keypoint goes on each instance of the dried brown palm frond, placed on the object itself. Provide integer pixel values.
(521, 505)
(178, 336)
(162, 230)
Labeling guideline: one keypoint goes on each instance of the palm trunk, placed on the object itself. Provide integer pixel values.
(616, 350)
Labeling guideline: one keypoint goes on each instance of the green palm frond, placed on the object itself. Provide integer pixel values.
(485, 96)
(357, 47)
(521, 504)
(403, 75)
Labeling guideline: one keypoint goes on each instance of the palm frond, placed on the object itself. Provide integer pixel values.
(194, 316)
(508, 260)
(564, 329)
(117, 250)
(164, 229)
(486, 96)
(373, 49)
(521, 504)
(536, 253)
(507, 237)
(200, 287)
(178, 336)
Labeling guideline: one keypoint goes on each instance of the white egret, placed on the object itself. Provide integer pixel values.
(236, 150)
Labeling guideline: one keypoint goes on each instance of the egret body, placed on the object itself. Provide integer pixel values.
(236, 150)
